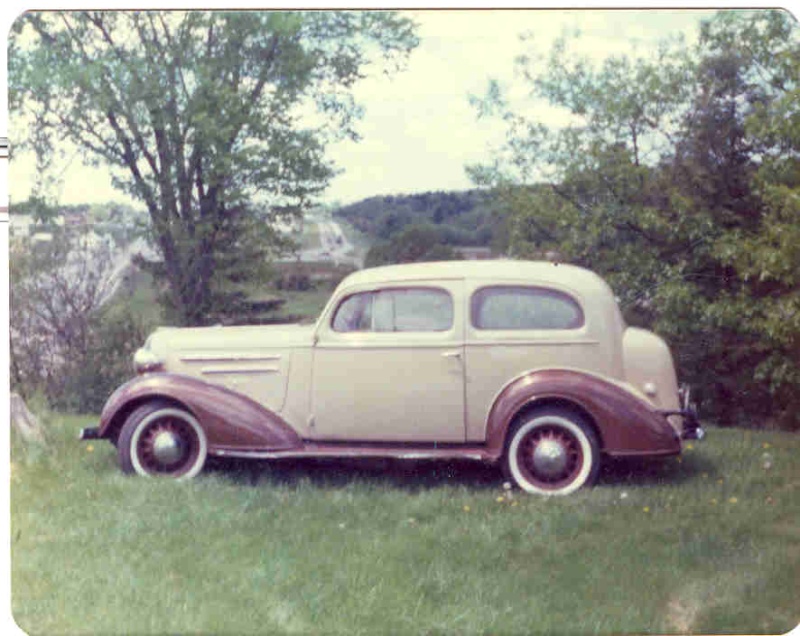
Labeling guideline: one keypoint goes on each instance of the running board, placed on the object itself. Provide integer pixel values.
(347, 451)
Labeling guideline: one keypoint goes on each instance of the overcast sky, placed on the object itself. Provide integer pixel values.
(419, 130)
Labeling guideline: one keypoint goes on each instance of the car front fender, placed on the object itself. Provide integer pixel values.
(626, 423)
(229, 419)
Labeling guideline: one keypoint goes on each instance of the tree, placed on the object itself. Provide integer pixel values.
(205, 117)
(68, 343)
(677, 180)
(56, 290)
(412, 244)
(764, 250)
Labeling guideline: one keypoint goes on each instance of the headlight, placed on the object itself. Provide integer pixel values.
(145, 360)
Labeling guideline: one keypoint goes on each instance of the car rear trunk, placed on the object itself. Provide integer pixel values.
(649, 369)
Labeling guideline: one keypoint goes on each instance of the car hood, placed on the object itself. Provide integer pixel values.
(229, 340)
(253, 360)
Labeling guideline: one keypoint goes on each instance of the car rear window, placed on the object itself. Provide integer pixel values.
(395, 310)
(521, 307)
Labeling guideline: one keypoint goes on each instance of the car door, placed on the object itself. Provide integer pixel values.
(388, 366)
(517, 326)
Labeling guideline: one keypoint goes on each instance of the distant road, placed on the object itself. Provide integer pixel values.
(122, 261)
(334, 246)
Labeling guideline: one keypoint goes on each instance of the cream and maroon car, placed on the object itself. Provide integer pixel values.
(526, 364)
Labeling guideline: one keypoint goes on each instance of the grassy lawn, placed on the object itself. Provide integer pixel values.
(708, 544)
(300, 305)
(308, 304)
(143, 301)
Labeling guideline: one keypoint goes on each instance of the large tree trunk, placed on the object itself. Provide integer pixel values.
(24, 421)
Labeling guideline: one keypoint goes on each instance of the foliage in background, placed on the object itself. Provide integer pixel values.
(208, 119)
(55, 288)
(67, 343)
(412, 244)
(458, 218)
(678, 179)
(117, 334)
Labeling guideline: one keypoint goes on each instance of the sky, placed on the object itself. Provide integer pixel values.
(419, 130)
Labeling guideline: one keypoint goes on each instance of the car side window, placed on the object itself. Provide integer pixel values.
(396, 310)
(354, 313)
(519, 307)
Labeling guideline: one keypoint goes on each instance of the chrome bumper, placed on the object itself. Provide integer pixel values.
(691, 425)
(91, 432)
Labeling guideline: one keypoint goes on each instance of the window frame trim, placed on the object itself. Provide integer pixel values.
(377, 290)
(551, 291)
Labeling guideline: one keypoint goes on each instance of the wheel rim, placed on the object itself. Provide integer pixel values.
(550, 457)
(167, 445)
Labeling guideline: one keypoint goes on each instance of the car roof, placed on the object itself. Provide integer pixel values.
(532, 272)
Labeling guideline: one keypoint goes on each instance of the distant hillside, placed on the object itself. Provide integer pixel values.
(460, 218)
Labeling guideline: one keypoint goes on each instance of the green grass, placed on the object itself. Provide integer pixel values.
(140, 298)
(308, 304)
(709, 544)
(303, 305)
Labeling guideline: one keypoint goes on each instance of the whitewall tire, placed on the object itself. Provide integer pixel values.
(159, 439)
(552, 451)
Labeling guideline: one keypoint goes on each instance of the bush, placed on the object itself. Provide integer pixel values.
(117, 334)
(296, 279)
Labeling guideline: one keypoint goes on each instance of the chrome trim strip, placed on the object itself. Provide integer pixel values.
(234, 370)
(445, 344)
(366, 344)
(538, 342)
(235, 357)
(358, 454)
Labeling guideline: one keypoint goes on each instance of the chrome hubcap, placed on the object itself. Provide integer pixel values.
(167, 448)
(549, 458)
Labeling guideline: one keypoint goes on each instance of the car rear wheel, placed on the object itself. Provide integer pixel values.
(552, 451)
(161, 440)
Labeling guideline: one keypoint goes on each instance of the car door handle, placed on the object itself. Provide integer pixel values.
(452, 354)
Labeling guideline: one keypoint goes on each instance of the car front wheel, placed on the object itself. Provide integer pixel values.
(552, 451)
(162, 440)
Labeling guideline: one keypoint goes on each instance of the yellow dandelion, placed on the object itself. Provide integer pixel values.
(500, 499)
(765, 445)
(514, 503)
(733, 500)
(646, 509)
(689, 447)
(466, 508)
(90, 448)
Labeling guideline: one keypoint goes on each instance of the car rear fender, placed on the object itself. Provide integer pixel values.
(625, 423)
(229, 419)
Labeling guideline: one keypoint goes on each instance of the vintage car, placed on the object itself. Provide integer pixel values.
(527, 364)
